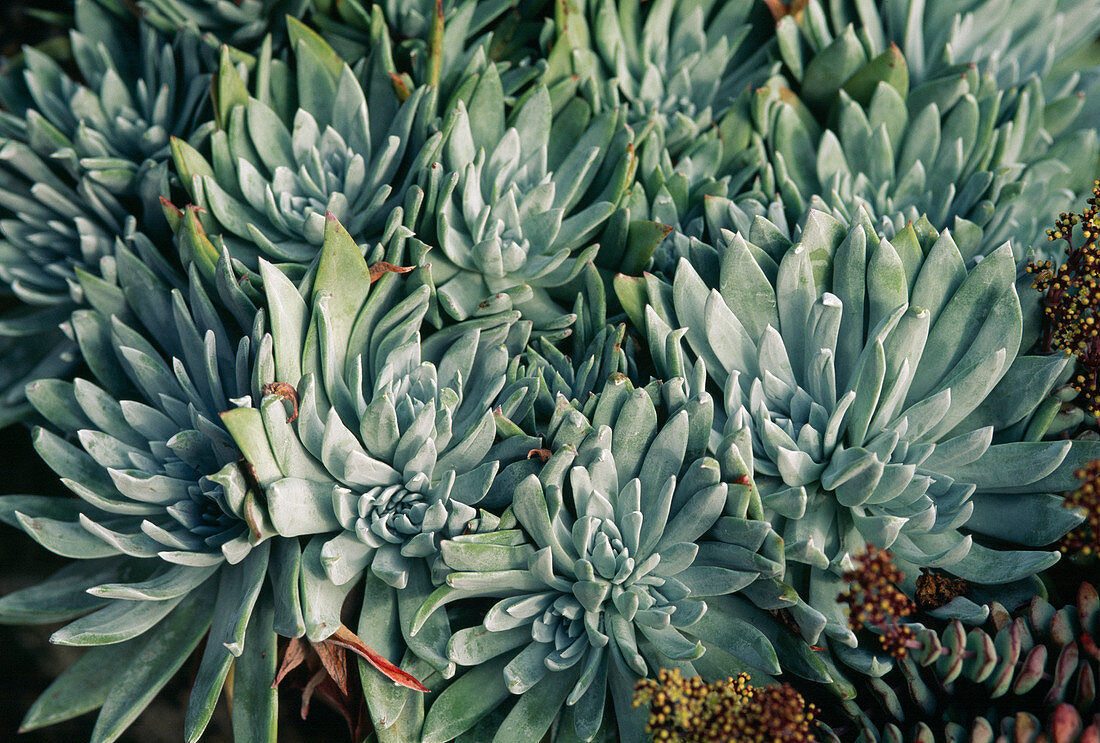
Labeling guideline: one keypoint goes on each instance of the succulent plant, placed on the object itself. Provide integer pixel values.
(309, 299)
(82, 162)
(517, 201)
(930, 47)
(374, 444)
(436, 40)
(1042, 660)
(965, 157)
(1065, 725)
(675, 65)
(169, 534)
(239, 23)
(308, 140)
(623, 553)
(877, 392)
(576, 366)
(825, 45)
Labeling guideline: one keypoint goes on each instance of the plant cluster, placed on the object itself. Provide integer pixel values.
(517, 370)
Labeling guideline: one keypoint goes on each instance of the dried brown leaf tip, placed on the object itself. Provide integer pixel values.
(543, 455)
(936, 589)
(1085, 539)
(1071, 301)
(328, 677)
(690, 710)
(381, 268)
(779, 9)
(285, 391)
(875, 601)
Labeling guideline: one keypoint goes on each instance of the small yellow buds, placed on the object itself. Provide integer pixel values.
(875, 601)
(690, 710)
(1085, 539)
(1071, 299)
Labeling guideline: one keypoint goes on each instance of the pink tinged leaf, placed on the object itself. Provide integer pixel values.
(345, 638)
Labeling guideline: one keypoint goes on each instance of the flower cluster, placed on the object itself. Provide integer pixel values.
(1071, 298)
(874, 601)
(1085, 539)
(690, 710)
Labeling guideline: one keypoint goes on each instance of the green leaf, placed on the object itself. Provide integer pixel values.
(486, 111)
(229, 91)
(246, 426)
(379, 628)
(83, 686)
(160, 655)
(984, 565)
(1013, 465)
(889, 68)
(255, 702)
(722, 626)
(238, 588)
(1030, 519)
(476, 693)
(831, 67)
(64, 538)
(534, 711)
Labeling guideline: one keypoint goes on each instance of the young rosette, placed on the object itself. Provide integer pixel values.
(374, 444)
(676, 65)
(829, 45)
(308, 139)
(623, 553)
(241, 24)
(435, 39)
(83, 158)
(975, 161)
(877, 391)
(519, 201)
(168, 532)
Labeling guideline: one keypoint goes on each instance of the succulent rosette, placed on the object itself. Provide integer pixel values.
(168, 531)
(930, 49)
(678, 65)
(239, 23)
(82, 162)
(435, 40)
(374, 444)
(887, 398)
(575, 367)
(960, 156)
(308, 139)
(824, 44)
(624, 552)
(518, 202)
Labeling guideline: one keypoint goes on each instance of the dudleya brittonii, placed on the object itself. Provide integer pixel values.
(171, 535)
(370, 442)
(309, 139)
(878, 392)
(519, 197)
(239, 23)
(677, 66)
(82, 162)
(624, 552)
(965, 157)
